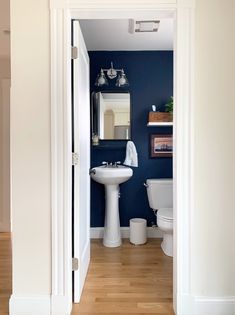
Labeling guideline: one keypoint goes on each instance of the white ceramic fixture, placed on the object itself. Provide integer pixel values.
(160, 197)
(111, 176)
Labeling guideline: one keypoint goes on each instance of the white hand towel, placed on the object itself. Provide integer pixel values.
(131, 155)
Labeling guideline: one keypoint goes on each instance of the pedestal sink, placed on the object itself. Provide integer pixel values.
(111, 177)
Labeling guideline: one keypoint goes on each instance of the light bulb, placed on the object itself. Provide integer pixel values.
(122, 81)
(101, 80)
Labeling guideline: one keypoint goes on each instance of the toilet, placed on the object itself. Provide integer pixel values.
(160, 197)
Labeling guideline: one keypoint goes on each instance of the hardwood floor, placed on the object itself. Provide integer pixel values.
(127, 280)
(5, 272)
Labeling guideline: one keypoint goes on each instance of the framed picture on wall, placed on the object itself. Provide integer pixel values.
(161, 146)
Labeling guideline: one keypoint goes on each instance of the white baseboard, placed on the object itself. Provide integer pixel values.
(61, 305)
(214, 305)
(184, 304)
(152, 232)
(30, 305)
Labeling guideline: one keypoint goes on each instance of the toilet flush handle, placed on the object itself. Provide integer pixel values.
(145, 185)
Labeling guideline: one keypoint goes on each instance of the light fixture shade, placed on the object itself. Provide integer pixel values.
(122, 80)
(112, 73)
(101, 79)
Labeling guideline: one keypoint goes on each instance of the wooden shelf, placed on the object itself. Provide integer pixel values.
(160, 124)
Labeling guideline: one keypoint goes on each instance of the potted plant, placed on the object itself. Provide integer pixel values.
(169, 106)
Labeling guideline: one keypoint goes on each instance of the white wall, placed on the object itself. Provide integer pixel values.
(30, 148)
(4, 25)
(4, 116)
(213, 255)
(5, 223)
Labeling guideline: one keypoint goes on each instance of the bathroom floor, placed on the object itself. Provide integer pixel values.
(127, 280)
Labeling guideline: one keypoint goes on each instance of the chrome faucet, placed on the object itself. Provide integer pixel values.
(92, 171)
(111, 164)
(105, 163)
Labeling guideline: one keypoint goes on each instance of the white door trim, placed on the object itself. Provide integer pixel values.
(61, 14)
(61, 180)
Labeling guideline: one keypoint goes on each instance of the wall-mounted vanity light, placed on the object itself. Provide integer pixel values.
(112, 73)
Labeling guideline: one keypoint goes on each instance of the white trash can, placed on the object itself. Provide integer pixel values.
(138, 231)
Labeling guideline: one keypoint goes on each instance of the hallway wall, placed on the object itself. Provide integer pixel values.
(5, 223)
(4, 116)
(213, 255)
(30, 147)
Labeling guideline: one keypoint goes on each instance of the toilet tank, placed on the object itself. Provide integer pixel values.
(160, 193)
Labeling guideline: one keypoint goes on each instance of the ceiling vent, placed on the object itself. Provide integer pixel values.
(148, 26)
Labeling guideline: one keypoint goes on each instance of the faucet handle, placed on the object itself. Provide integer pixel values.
(105, 163)
(117, 163)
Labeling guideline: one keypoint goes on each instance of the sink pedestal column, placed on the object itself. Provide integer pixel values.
(112, 234)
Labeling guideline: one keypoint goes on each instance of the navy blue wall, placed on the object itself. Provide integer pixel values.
(150, 74)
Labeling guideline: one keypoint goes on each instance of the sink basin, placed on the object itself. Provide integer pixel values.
(110, 175)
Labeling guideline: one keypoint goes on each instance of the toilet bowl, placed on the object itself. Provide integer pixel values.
(160, 197)
(165, 224)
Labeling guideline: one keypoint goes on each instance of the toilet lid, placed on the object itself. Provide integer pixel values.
(165, 213)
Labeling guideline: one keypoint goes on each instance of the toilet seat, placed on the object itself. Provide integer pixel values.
(165, 214)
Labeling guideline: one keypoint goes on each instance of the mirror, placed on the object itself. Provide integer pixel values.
(111, 115)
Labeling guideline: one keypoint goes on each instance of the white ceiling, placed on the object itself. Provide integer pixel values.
(113, 35)
(116, 100)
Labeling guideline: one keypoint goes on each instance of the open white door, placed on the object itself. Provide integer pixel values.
(81, 146)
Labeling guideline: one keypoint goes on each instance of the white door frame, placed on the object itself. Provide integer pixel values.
(62, 11)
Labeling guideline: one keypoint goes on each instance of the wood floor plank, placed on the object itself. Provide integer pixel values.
(5, 272)
(127, 280)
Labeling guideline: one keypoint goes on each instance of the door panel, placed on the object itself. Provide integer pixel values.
(81, 178)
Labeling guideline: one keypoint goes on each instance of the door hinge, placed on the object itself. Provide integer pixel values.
(74, 264)
(74, 52)
(74, 158)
